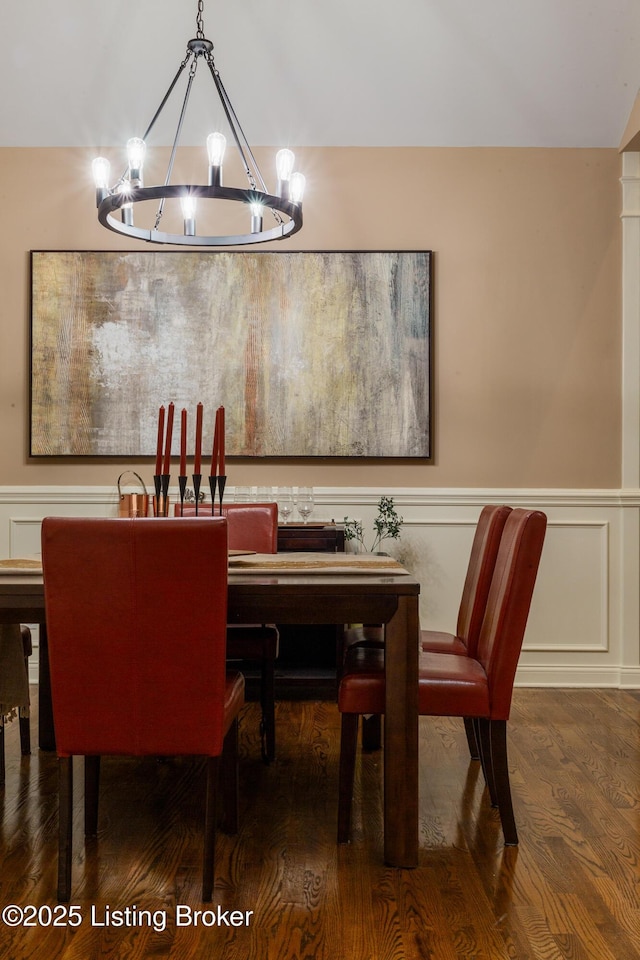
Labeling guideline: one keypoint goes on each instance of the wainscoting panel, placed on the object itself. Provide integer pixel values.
(584, 625)
(24, 537)
(574, 564)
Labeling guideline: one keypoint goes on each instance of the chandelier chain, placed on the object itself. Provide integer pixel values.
(199, 20)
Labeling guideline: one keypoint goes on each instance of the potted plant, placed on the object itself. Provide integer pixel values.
(386, 526)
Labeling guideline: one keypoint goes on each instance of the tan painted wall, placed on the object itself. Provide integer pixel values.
(527, 304)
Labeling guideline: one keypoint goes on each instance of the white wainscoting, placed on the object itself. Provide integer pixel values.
(584, 626)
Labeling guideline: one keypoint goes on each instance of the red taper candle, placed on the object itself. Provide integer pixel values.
(221, 470)
(183, 443)
(160, 440)
(167, 446)
(216, 441)
(198, 453)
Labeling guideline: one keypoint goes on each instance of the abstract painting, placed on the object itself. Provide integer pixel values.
(312, 354)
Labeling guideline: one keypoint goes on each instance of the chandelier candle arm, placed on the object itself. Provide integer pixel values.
(285, 204)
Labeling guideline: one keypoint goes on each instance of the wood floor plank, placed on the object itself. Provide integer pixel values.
(570, 891)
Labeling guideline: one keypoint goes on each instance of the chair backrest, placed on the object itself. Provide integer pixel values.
(508, 604)
(137, 648)
(482, 561)
(252, 526)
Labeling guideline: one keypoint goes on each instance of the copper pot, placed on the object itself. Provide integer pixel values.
(133, 504)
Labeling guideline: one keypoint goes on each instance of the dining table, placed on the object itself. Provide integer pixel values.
(336, 594)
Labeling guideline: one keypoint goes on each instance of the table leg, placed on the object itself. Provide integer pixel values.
(401, 736)
(46, 734)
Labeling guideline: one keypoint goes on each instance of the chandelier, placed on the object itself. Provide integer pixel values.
(116, 203)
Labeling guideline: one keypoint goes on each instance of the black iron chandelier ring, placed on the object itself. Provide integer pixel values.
(113, 203)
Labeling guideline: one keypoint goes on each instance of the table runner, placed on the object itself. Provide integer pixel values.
(288, 562)
(21, 566)
(321, 563)
(15, 565)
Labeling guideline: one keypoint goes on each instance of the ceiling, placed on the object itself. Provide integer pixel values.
(547, 73)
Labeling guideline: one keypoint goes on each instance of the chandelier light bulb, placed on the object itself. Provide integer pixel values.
(257, 210)
(136, 149)
(188, 204)
(101, 169)
(285, 160)
(216, 145)
(126, 210)
(298, 183)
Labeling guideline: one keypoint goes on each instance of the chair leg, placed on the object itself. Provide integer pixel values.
(25, 736)
(2, 767)
(348, 745)
(372, 732)
(65, 827)
(470, 730)
(268, 702)
(209, 829)
(25, 725)
(229, 777)
(91, 789)
(498, 737)
(483, 737)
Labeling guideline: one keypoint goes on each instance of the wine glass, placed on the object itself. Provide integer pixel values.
(285, 503)
(305, 502)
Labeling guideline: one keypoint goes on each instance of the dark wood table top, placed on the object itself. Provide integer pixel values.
(22, 596)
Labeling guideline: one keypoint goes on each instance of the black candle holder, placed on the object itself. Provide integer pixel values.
(219, 482)
(213, 480)
(182, 486)
(197, 478)
(222, 480)
(161, 484)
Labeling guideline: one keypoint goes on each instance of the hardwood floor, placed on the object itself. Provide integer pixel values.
(570, 891)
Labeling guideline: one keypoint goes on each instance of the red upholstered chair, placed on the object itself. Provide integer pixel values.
(464, 641)
(25, 647)
(119, 595)
(479, 687)
(254, 526)
(482, 561)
